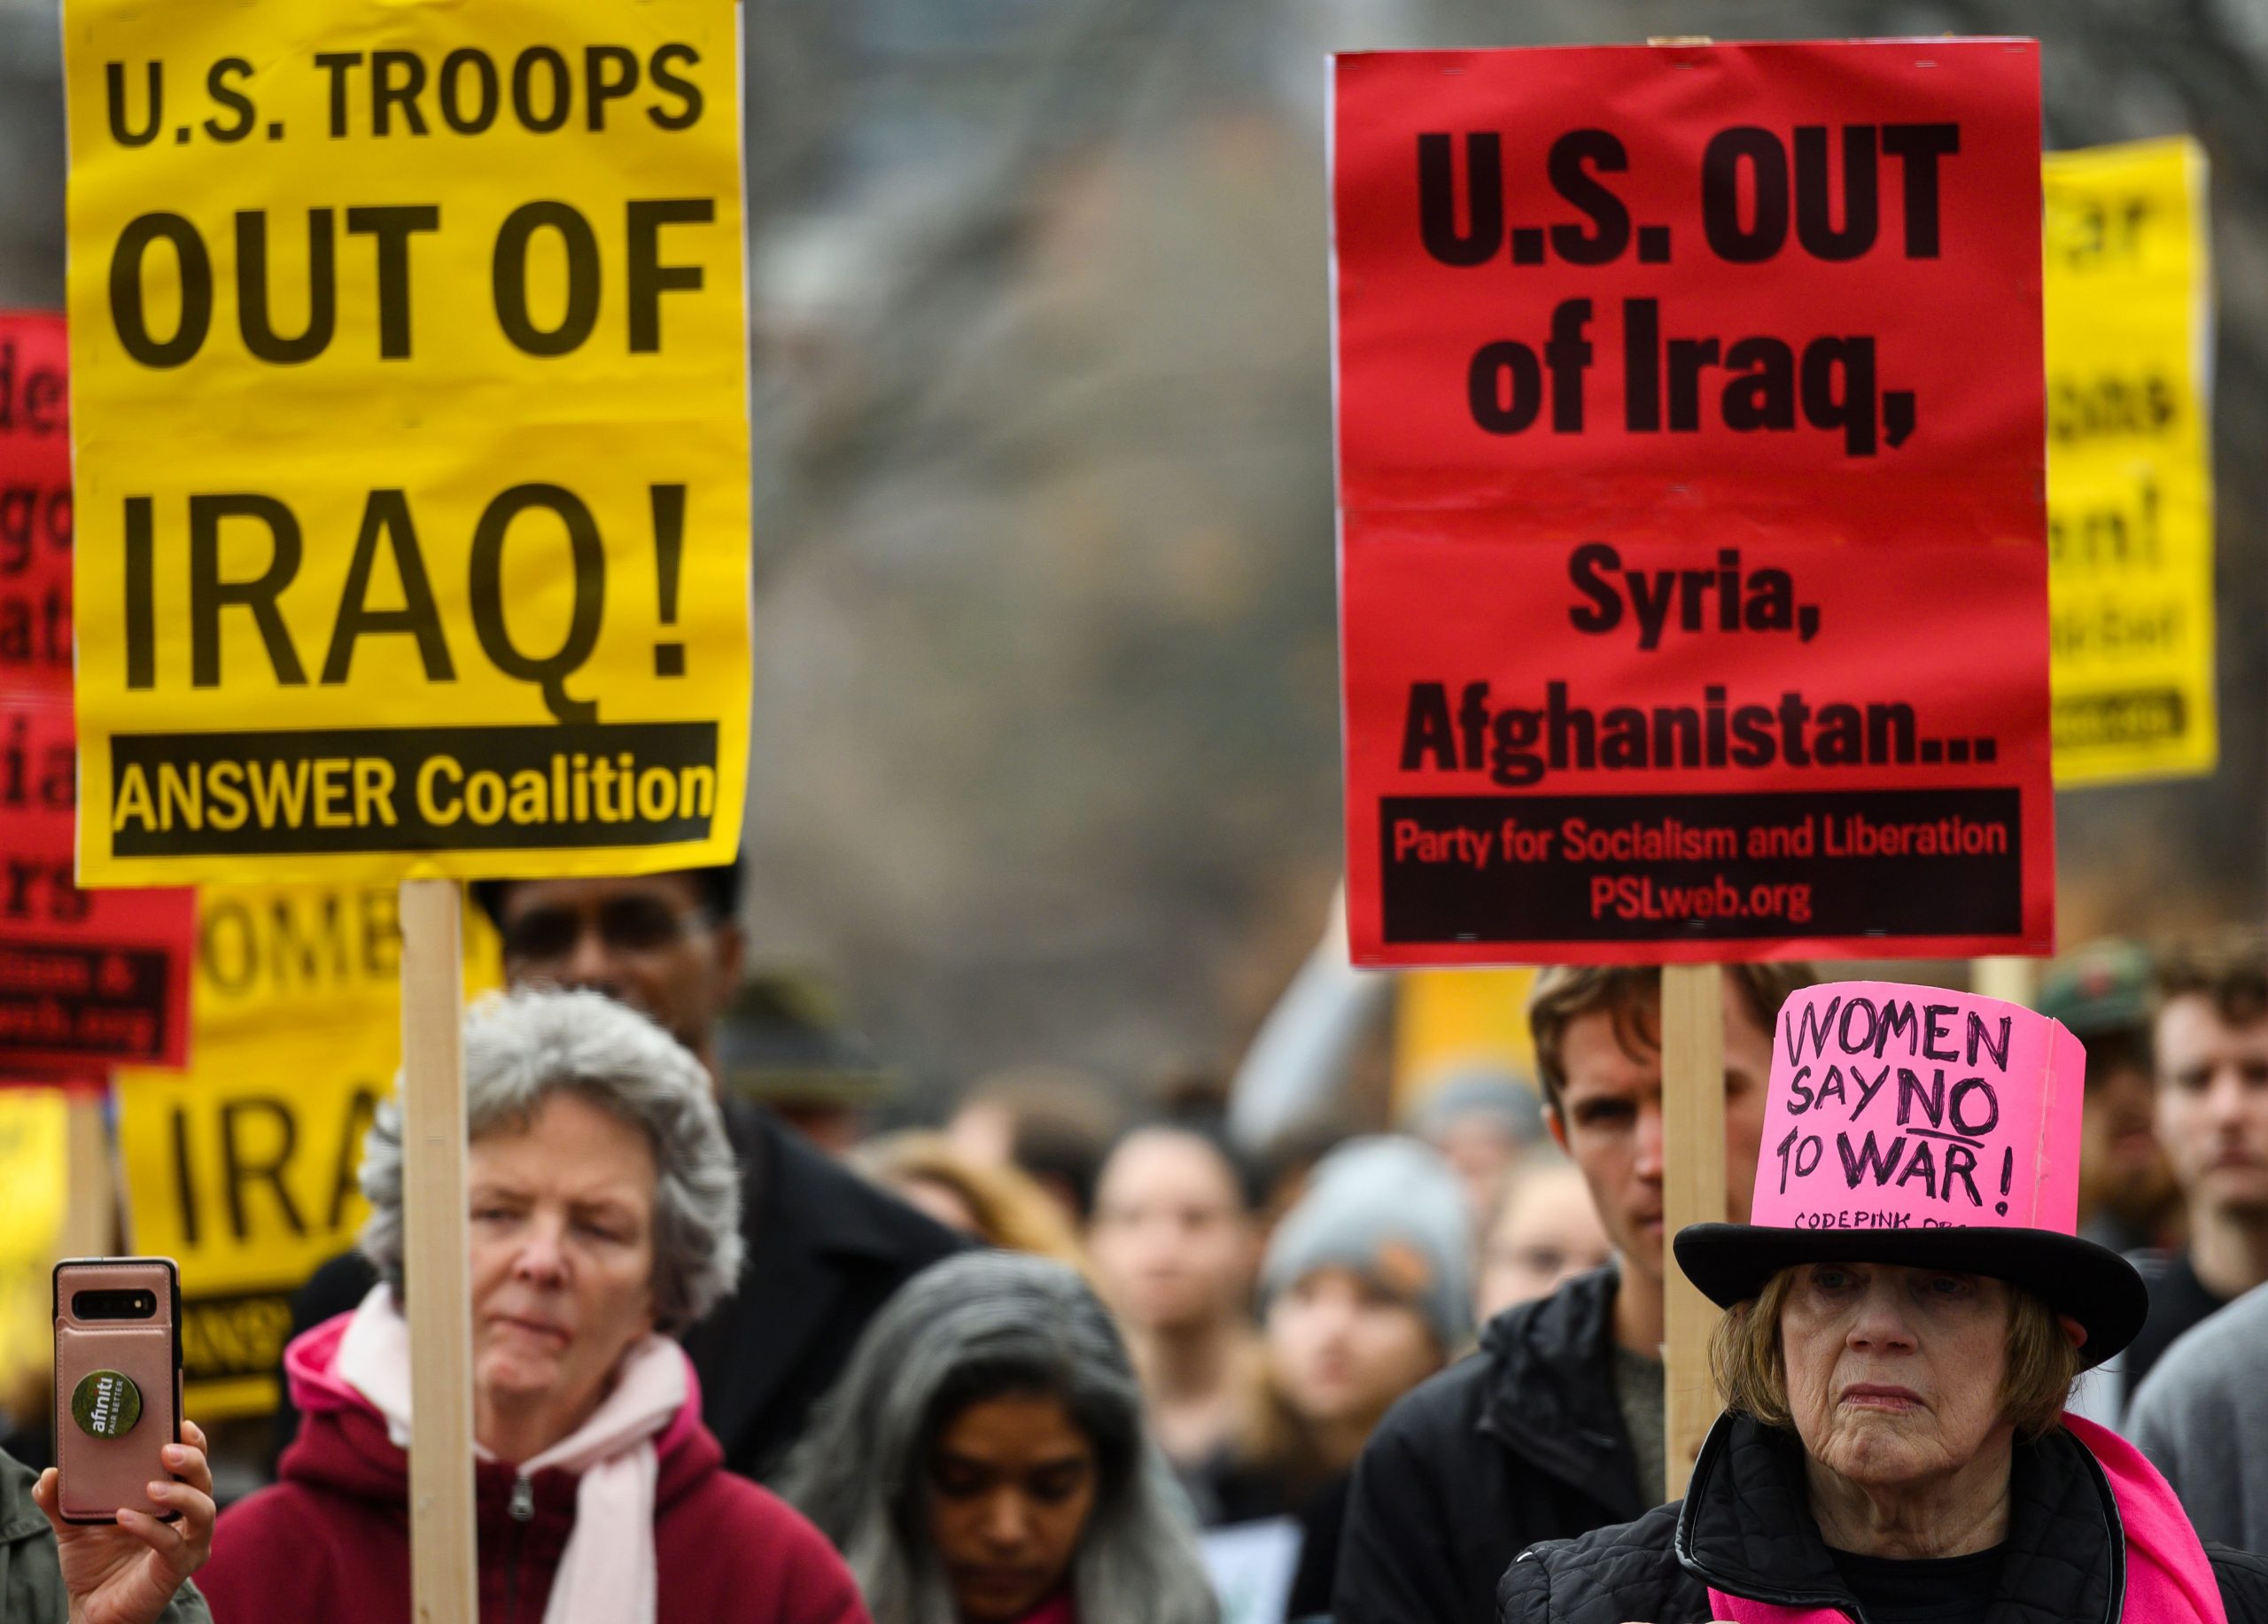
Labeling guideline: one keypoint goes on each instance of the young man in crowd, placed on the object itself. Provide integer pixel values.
(2212, 1039)
(1556, 1427)
(825, 1248)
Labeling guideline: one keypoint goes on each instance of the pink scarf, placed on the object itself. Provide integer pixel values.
(2168, 1579)
(1057, 1609)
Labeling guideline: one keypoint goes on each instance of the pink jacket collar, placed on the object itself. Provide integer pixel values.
(2168, 1579)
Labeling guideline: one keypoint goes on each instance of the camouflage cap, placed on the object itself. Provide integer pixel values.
(2099, 988)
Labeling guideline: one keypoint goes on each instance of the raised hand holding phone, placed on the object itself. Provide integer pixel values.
(131, 1496)
(128, 1571)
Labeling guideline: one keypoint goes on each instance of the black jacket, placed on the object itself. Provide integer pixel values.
(824, 1250)
(1746, 1527)
(1523, 1441)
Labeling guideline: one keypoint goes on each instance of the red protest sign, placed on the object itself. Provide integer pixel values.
(34, 506)
(88, 979)
(1692, 557)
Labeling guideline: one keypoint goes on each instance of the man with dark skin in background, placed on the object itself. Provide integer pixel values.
(666, 944)
(825, 1249)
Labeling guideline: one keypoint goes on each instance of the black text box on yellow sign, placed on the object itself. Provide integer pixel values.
(244, 1167)
(413, 789)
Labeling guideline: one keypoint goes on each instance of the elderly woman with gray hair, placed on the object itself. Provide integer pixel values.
(1904, 1318)
(983, 1460)
(604, 1215)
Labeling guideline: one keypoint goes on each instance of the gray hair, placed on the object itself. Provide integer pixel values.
(973, 1327)
(520, 1048)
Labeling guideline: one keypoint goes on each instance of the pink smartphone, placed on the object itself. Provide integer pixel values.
(117, 1382)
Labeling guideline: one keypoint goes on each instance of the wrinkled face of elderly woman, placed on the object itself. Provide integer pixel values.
(1894, 1374)
(563, 1261)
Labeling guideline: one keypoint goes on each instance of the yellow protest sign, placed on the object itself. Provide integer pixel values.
(1448, 1021)
(2130, 485)
(409, 405)
(32, 1173)
(244, 1167)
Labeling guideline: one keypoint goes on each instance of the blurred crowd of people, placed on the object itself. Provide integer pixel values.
(1060, 1359)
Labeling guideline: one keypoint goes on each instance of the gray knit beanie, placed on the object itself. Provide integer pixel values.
(1389, 1208)
(1504, 1097)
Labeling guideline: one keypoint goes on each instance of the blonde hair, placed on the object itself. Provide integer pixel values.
(1271, 1437)
(1749, 1360)
(1011, 1211)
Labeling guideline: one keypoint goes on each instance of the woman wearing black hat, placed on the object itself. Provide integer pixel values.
(1904, 1322)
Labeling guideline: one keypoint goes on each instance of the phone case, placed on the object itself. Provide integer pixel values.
(117, 1388)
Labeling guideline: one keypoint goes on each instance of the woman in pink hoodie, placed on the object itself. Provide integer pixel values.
(605, 1207)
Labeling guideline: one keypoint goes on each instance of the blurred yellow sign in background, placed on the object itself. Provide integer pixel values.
(2130, 482)
(1449, 1022)
(243, 1168)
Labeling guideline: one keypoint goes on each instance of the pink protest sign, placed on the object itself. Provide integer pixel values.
(1896, 1107)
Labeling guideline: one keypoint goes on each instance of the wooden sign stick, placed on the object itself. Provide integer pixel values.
(1693, 1171)
(90, 1193)
(436, 1265)
(2015, 980)
(1693, 1192)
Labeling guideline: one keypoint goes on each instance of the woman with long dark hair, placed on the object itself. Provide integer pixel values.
(983, 1460)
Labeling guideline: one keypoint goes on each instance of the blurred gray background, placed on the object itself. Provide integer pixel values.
(1046, 708)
